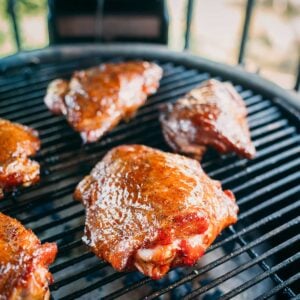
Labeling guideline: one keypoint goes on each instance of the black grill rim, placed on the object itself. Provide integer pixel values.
(53, 54)
(29, 62)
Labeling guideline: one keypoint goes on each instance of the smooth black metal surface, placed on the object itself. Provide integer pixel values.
(11, 10)
(297, 83)
(189, 17)
(257, 257)
(245, 33)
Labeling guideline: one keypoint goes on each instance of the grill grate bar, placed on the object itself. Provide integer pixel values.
(271, 173)
(40, 125)
(253, 124)
(127, 289)
(63, 249)
(268, 188)
(259, 106)
(94, 286)
(266, 128)
(275, 136)
(266, 274)
(270, 202)
(259, 143)
(59, 222)
(36, 217)
(253, 99)
(177, 73)
(36, 201)
(100, 265)
(268, 119)
(59, 236)
(279, 287)
(262, 114)
(73, 261)
(260, 154)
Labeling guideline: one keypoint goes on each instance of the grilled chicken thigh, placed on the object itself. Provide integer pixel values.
(150, 210)
(17, 143)
(212, 114)
(24, 262)
(97, 99)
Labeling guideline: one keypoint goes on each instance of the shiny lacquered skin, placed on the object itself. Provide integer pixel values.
(151, 210)
(95, 100)
(17, 142)
(212, 114)
(24, 262)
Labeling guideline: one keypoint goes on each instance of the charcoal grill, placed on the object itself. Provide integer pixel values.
(256, 258)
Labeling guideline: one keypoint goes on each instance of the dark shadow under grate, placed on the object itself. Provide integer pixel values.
(257, 257)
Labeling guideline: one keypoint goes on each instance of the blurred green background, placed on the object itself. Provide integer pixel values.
(274, 41)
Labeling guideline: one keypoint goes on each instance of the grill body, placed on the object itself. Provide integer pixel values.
(257, 257)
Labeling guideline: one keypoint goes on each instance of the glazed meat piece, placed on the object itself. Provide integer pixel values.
(150, 210)
(212, 114)
(17, 143)
(24, 262)
(97, 99)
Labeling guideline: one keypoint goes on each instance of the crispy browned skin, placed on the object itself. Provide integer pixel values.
(24, 262)
(17, 143)
(211, 115)
(97, 99)
(152, 210)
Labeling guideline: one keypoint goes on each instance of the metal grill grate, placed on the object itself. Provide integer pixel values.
(257, 257)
